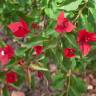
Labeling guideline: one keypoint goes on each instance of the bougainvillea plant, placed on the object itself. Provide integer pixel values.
(46, 46)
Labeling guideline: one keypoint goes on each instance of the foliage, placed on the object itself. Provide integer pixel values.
(27, 64)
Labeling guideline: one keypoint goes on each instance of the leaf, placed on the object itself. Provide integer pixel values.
(73, 92)
(18, 70)
(71, 40)
(73, 63)
(94, 1)
(51, 32)
(10, 64)
(69, 1)
(56, 56)
(20, 52)
(85, 23)
(35, 41)
(76, 89)
(49, 12)
(2, 43)
(71, 6)
(92, 17)
(30, 44)
(59, 1)
(37, 67)
(6, 92)
(58, 81)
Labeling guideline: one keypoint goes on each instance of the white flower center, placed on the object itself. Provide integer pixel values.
(2, 53)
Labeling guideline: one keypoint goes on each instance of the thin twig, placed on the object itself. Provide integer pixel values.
(69, 81)
(79, 12)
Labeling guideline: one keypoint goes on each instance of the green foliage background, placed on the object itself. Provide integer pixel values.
(81, 12)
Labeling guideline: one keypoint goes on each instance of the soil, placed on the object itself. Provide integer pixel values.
(44, 90)
(90, 79)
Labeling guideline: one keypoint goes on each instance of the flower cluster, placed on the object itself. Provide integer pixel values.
(83, 39)
(20, 30)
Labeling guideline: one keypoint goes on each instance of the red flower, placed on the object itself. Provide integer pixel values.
(21, 62)
(83, 39)
(35, 26)
(19, 29)
(69, 52)
(11, 77)
(40, 75)
(6, 54)
(63, 24)
(38, 49)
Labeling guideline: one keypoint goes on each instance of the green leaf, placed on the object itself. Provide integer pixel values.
(30, 44)
(58, 81)
(20, 52)
(92, 16)
(10, 64)
(71, 6)
(71, 40)
(59, 1)
(18, 70)
(85, 23)
(51, 32)
(2, 43)
(73, 63)
(35, 41)
(49, 12)
(6, 92)
(76, 89)
(73, 92)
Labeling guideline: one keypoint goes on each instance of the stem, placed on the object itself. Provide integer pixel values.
(1, 92)
(27, 74)
(29, 78)
(69, 81)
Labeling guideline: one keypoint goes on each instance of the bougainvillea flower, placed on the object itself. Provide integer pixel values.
(69, 52)
(6, 54)
(38, 49)
(11, 77)
(40, 75)
(35, 26)
(83, 39)
(63, 24)
(19, 29)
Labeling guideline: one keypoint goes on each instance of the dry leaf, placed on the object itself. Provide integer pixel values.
(17, 93)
